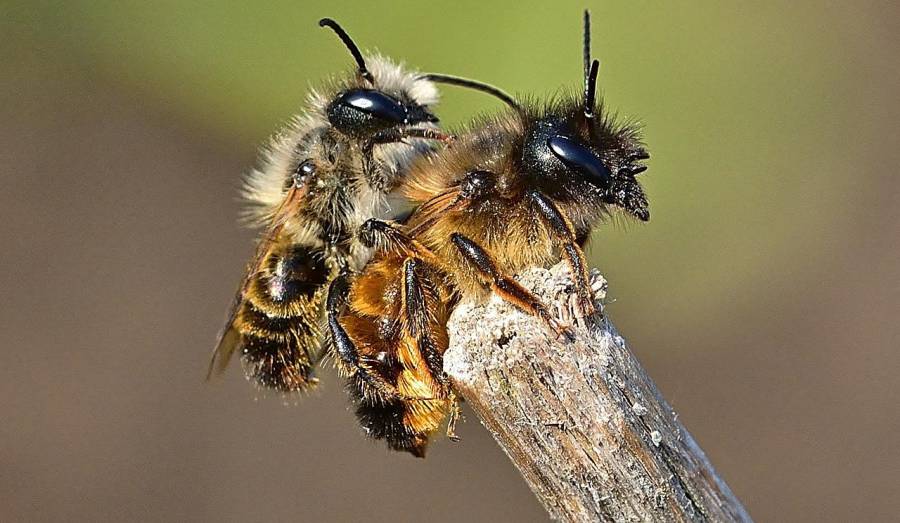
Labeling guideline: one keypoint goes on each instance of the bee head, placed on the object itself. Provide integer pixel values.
(569, 148)
(364, 112)
(370, 109)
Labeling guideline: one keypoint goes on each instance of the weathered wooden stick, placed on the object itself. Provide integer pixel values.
(582, 421)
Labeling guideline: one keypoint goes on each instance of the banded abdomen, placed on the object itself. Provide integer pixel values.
(277, 319)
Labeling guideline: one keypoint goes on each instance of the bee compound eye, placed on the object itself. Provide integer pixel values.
(376, 104)
(579, 158)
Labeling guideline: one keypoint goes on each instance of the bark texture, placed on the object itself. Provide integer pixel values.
(581, 420)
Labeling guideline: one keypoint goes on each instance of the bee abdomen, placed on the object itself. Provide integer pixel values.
(290, 284)
(405, 422)
(255, 323)
(388, 420)
(278, 320)
(285, 367)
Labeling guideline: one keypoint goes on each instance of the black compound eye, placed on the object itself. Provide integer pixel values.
(581, 159)
(375, 103)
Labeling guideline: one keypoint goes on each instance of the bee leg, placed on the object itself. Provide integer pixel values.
(381, 235)
(564, 235)
(419, 324)
(348, 358)
(421, 358)
(387, 235)
(455, 415)
(394, 135)
(370, 381)
(507, 288)
(344, 348)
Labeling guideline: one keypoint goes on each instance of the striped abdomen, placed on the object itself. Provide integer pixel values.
(278, 318)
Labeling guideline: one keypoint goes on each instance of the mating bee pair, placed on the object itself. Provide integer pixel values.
(518, 189)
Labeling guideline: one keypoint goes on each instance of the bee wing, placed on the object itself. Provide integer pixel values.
(227, 340)
(429, 212)
(228, 337)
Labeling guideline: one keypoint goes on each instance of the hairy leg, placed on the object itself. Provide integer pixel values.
(564, 236)
(507, 288)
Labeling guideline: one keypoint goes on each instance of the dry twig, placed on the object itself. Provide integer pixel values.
(582, 421)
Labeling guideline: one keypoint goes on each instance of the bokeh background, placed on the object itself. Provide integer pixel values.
(763, 295)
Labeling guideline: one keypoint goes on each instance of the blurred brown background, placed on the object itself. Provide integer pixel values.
(763, 296)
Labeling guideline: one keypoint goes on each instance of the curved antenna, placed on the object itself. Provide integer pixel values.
(591, 69)
(334, 26)
(473, 84)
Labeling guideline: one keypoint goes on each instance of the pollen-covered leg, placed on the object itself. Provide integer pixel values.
(505, 287)
(564, 236)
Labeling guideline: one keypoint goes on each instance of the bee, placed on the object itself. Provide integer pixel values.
(319, 180)
(519, 189)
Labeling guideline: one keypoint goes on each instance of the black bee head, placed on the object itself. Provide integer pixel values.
(365, 110)
(571, 148)
(585, 158)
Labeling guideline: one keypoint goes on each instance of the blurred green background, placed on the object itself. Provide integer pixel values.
(762, 296)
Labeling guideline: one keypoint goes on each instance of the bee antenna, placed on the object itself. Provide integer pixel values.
(586, 49)
(590, 92)
(591, 69)
(354, 50)
(473, 84)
